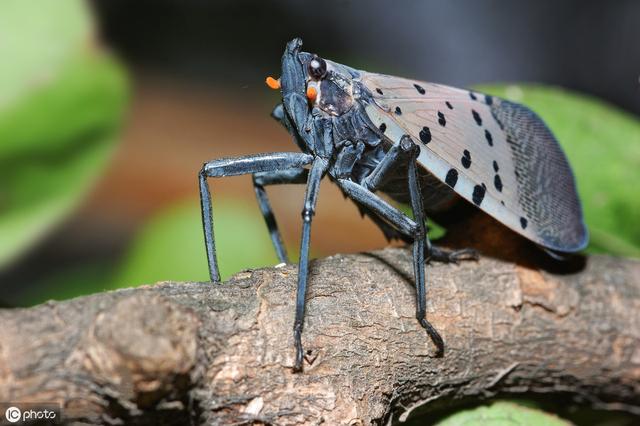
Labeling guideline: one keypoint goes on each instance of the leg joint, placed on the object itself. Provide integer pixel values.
(307, 214)
(257, 179)
(408, 146)
(368, 185)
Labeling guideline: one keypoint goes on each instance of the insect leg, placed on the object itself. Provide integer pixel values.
(377, 205)
(389, 232)
(262, 179)
(396, 155)
(311, 197)
(417, 206)
(415, 228)
(439, 254)
(432, 251)
(233, 167)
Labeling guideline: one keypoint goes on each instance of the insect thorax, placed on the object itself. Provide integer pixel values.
(360, 146)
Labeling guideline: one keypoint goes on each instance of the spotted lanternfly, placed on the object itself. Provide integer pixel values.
(420, 143)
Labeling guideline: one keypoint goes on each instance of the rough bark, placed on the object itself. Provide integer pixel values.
(175, 353)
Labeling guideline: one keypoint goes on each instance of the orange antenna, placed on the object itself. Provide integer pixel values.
(312, 93)
(273, 83)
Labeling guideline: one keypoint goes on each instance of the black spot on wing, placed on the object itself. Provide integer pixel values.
(523, 223)
(473, 96)
(497, 182)
(452, 177)
(441, 119)
(488, 99)
(425, 135)
(398, 111)
(379, 91)
(476, 117)
(466, 163)
(478, 194)
(466, 159)
(419, 88)
(488, 137)
(382, 127)
(449, 105)
(495, 166)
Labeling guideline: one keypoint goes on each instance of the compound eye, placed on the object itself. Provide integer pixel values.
(317, 68)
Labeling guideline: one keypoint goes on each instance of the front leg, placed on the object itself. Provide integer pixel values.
(234, 167)
(310, 199)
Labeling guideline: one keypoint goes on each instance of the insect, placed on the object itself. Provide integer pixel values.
(419, 143)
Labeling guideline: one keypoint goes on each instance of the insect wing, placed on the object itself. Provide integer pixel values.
(497, 154)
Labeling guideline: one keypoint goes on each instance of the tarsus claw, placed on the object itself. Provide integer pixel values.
(435, 336)
(440, 255)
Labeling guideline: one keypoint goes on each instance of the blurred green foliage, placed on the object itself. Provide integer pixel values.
(529, 409)
(61, 105)
(502, 413)
(603, 146)
(171, 245)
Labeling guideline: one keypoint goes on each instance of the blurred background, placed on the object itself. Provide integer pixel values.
(108, 109)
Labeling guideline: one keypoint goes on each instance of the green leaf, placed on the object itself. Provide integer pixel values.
(36, 41)
(603, 146)
(502, 414)
(171, 245)
(436, 230)
(61, 106)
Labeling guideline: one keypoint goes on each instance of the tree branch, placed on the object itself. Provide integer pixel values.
(222, 354)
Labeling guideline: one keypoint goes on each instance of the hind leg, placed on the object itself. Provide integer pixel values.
(439, 254)
(375, 180)
(414, 228)
(433, 252)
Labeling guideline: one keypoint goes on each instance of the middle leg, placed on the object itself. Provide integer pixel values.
(316, 173)
(262, 179)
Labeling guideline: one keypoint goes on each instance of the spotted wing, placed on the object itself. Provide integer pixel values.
(496, 154)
